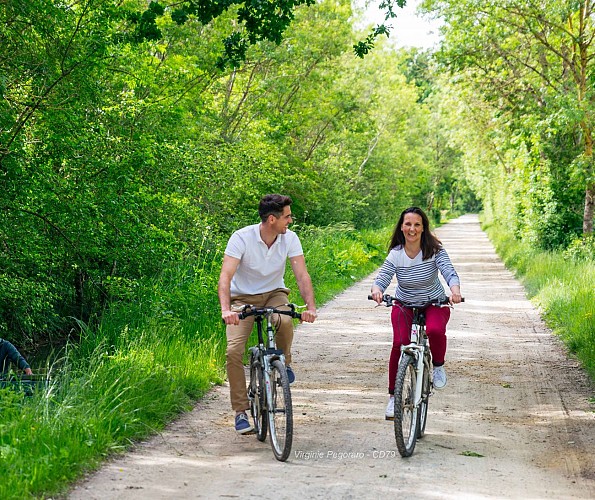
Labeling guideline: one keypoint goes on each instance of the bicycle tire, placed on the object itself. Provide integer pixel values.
(257, 397)
(406, 415)
(426, 390)
(280, 412)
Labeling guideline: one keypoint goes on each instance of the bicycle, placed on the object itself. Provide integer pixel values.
(413, 386)
(268, 391)
(27, 384)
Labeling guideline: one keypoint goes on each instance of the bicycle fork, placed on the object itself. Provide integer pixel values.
(417, 351)
(268, 381)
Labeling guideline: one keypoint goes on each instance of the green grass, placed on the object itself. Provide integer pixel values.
(149, 359)
(563, 288)
(97, 404)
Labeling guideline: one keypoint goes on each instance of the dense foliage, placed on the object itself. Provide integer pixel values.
(136, 136)
(520, 102)
(125, 148)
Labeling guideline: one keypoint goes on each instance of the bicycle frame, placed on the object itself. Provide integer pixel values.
(269, 347)
(268, 352)
(269, 393)
(417, 348)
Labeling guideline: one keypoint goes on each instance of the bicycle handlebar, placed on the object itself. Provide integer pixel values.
(250, 310)
(389, 300)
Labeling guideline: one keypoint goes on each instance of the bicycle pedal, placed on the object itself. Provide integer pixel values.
(389, 418)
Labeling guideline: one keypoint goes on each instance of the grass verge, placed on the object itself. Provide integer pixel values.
(561, 286)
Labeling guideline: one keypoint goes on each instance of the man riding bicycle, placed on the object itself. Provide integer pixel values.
(252, 273)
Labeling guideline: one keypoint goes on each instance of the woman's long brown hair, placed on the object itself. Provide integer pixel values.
(430, 245)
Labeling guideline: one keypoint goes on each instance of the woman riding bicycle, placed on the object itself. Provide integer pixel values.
(415, 257)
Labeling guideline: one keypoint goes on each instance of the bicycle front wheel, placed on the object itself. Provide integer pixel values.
(280, 412)
(256, 396)
(406, 415)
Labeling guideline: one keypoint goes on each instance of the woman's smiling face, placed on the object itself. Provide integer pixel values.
(412, 227)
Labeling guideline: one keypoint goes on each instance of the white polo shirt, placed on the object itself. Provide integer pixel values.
(261, 269)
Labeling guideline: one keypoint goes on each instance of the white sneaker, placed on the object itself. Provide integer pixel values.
(439, 377)
(390, 409)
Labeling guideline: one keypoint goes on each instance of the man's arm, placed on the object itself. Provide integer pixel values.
(228, 269)
(17, 358)
(298, 265)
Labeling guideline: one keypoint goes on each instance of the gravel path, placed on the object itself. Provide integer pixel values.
(513, 422)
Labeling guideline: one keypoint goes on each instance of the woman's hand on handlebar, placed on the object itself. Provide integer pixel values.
(230, 317)
(376, 294)
(455, 296)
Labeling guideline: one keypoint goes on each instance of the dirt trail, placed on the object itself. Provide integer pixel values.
(513, 422)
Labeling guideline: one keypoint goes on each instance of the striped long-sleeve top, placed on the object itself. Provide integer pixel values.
(417, 279)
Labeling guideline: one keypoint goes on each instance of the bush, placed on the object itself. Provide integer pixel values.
(582, 248)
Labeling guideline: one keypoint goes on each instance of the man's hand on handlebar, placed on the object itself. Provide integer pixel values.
(230, 317)
(309, 316)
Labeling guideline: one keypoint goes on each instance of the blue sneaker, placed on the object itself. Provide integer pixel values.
(243, 425)
(290, 375)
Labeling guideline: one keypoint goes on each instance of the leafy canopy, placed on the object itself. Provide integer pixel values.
(257, 21)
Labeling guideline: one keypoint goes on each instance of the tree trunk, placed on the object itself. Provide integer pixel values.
(590, 188)
(589, 208)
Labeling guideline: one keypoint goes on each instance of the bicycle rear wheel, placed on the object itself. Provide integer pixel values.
(256, 396)
(280, 412)
(406, 415)
(425, 398)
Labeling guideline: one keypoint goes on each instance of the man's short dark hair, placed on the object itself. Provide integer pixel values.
(273, 204)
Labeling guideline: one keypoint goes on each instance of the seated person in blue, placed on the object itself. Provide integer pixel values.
(8, 353)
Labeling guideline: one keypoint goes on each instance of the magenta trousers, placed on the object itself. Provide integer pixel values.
(401, 318)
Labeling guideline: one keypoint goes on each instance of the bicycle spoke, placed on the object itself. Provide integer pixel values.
(425, 396)
(406, 414)
(280, 412)
(256, 396)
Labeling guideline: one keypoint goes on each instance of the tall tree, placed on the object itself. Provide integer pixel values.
(531, 57)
